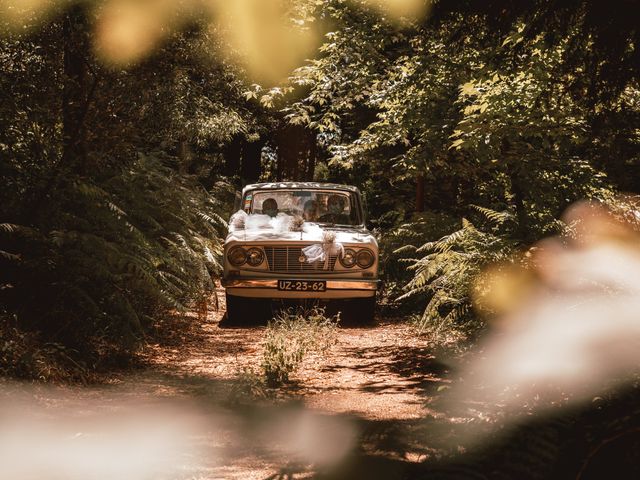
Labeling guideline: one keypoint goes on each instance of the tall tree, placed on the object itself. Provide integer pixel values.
(77, 92)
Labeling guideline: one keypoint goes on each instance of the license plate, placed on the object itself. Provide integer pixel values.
(302, 286)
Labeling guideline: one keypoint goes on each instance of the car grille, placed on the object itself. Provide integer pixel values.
(286, 259)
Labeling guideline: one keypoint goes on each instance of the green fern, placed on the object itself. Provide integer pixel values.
(139, 245)
(213, 219)
(445, 273)
(11, 257)
(497, 218)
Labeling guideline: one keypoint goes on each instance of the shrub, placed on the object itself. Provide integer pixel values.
(24, 355)
(395, 244)
(249, 385)
(290, 336)
(445, 271)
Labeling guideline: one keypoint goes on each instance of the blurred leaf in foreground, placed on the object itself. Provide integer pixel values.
(269, 43)
(23, 14)
(575, 330)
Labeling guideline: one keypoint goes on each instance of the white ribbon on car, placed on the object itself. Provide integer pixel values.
(242, 220)
(283, 223)
(238, 220)
(321, 252)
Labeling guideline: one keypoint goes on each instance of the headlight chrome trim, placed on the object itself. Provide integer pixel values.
(348, 253)
(365, 258)
(255, 256)
(241, 260)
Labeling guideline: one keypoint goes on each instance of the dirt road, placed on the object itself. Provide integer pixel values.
(362, 407)
(377, 378)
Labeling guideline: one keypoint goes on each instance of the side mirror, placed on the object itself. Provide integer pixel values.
(237, 202)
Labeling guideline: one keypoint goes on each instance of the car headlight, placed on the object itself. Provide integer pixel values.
(348, 258)
(255, 257)
(365, 258)
(237, 256)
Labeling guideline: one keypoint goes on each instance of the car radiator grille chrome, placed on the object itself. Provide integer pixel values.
(290, 259)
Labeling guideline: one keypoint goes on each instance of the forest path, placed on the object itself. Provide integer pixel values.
(378, 372)
(362, 408)
(378, 379)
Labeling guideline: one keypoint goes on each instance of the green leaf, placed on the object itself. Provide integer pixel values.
(457, 144)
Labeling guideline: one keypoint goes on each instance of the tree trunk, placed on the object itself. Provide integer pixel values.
(76, 97)
(518, 203)
(517, 190)
(252, 161)
(296, 153)
(75, 89)
(420, 192)
(313, 155)
(279, 163)
(185, 156)
(232, 154)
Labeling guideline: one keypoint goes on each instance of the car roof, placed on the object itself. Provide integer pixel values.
(301, 185)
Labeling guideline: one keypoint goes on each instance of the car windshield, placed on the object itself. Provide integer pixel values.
(335, 207)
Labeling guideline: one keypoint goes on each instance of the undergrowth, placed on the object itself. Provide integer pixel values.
(24, 355)
(446, 271)
(290, 336)
(87, 277)
(393, 244)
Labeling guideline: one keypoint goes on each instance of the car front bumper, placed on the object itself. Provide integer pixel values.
(268, 288)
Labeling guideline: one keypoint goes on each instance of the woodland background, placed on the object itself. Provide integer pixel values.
(469, 128)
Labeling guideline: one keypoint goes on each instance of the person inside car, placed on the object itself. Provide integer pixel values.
(335, 211)
(270, 207)
(310, 211)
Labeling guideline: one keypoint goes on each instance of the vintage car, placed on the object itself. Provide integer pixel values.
(300, 241)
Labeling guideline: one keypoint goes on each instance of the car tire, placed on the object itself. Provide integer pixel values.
(357, 311)
(236, 313)
(247, 311)
(366, 309)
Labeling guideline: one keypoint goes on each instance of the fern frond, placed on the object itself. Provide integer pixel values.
(408, 260)
(405, 249)
(213, 218)
(18, 229)
(90, 191)
(116, 209)
(9, 227)
(497, 218)
(447, 242)
(445, 272)
(12, 257)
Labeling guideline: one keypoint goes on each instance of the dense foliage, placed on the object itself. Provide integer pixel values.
(107, 231)
(470, 130)
(465, 117)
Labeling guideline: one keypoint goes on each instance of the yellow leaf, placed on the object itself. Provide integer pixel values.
(468, 89)
(457, 144)
(265, 101)
(470, 109)
(269, 46)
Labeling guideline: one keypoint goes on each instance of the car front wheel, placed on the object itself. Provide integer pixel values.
(247, 311)
(360, 311)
